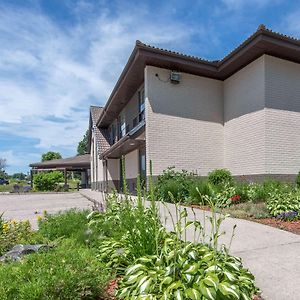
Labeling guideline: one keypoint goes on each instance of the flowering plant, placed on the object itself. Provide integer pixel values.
(235, 198)
(288, 216)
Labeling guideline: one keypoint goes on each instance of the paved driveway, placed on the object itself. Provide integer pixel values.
(29, 206)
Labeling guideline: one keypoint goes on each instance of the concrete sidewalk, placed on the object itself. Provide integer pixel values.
(272, 255)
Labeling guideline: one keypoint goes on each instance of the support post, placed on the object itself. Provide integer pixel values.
(65, 175)
(31, 178)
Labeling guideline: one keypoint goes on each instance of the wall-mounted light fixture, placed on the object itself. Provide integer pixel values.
(175, 77)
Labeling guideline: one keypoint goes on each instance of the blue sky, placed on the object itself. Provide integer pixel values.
(59, 57)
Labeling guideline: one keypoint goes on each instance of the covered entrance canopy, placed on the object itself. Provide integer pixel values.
(80, 163)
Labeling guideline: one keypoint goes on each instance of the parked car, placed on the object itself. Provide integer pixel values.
(3, 181)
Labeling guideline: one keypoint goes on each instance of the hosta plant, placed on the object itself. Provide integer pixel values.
(187, 272)
(116, 255)
(283, 202)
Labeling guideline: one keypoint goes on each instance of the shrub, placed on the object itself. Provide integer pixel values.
(198, 189)
(175, 182)
(220, 177)
(66, 272)
(298, 180)
(260, 192)
(242, 189)
(47, 181)
(72, 223)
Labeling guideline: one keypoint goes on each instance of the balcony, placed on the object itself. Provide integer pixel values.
(121, 130)
(132, 140)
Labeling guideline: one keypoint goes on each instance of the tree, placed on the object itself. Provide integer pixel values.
(19, 176)
(3, 164)
(82, 147)
(50, 155)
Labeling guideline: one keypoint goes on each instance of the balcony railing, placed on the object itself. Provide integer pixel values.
(121, 132)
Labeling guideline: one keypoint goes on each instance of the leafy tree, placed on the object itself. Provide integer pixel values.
(3, 165)
(50, 155)
(19, 176)
(82, 147)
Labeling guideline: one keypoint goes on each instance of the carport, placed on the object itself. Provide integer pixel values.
(81, 163)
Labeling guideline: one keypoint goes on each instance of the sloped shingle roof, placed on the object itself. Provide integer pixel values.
(79, 161)
(101, 135)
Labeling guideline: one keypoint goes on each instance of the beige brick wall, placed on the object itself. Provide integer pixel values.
(244, 120)
(113, 169)
(92, 161)
(132, 164)
(282, 116)
(184, 122)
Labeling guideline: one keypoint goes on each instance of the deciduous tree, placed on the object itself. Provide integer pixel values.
(50, 155)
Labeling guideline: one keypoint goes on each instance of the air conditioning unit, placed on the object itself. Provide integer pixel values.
(175, 77)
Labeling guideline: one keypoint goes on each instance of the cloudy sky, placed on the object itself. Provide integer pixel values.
(57, 57)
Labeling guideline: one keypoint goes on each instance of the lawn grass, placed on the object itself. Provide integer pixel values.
(9, 187)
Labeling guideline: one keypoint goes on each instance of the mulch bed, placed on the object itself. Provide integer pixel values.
(292, 226)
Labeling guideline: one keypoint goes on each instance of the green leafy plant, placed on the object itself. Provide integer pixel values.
(50, 155)
(189, 270)
(176, 182)
(282, 202)
(298, 180)
(69, 271)
(220, 177)
(198, 189)
(47, 181)
(72, 223)
(13, 232)
(127, 228)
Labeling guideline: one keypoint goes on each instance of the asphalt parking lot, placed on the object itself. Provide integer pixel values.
(30, 206)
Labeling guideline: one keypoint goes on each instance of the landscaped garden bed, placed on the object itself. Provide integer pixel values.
(292, 226)
(271, 202)
(123, 252)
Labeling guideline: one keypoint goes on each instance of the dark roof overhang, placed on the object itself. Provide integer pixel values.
(131, 141)
(263, 41)
(71, 163)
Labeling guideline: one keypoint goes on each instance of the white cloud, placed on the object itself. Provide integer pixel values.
(14, 159)
(240, 4)
(291, 23)
(47, 69)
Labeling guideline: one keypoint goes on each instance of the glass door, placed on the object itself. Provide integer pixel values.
(142, 165)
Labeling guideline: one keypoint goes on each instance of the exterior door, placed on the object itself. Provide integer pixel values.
(142, 165)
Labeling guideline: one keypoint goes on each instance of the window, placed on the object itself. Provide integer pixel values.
(113, 133)
(122, 125)
(141, 105)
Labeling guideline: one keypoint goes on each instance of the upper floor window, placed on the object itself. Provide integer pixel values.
(122, 123)
(113, 133)
(141, 105)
